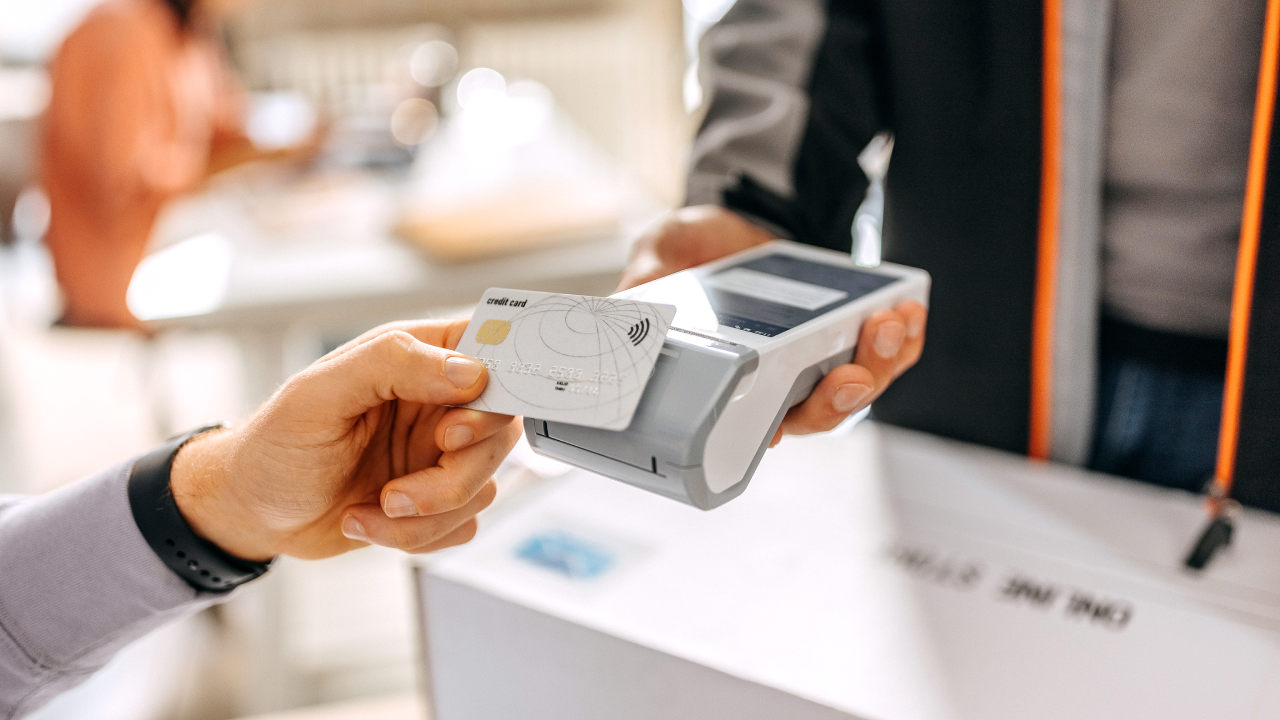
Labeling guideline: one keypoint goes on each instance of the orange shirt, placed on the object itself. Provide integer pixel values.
(137, 104)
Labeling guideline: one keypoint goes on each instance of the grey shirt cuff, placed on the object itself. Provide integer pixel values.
(79, 583)
(708, 189)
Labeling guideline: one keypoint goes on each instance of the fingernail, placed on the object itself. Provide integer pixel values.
(915, 327)
(398, 505)
(889, 339)
(848, 397)
(462, 372)
(352, 528)
(458, 436)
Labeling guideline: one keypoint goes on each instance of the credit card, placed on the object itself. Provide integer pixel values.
(567, 358)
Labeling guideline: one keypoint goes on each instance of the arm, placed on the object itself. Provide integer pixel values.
(795, 96)
(796, 92)
(77, 583)
(357, 449)
(231, 145)
(754, 67)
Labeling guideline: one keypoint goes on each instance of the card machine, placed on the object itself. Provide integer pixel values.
(753, 334)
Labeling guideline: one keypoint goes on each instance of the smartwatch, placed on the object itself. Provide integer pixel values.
(202, 564)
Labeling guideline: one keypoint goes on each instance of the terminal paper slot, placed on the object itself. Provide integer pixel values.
(558, 434)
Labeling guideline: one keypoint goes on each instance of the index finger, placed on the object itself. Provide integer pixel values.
(393, 365)
(440, 333)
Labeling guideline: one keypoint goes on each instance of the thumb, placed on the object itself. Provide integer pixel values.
(393, 365)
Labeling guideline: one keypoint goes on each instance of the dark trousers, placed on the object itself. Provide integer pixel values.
(1159, 406)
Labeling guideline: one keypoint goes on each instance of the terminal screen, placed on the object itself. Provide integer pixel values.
(772, 294)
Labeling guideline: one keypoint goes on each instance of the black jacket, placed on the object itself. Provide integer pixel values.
(994, 188)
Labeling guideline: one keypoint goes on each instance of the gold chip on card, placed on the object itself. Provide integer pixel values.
(493, 332)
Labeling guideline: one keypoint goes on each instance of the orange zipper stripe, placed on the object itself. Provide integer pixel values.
(1247, 262)
(1041, 430)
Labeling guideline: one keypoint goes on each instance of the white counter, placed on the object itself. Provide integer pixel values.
(880, 574)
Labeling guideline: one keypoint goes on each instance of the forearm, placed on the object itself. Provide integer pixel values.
(83, 571)
(798, 88)
(77, 583)
(230, 151)
(755, 68)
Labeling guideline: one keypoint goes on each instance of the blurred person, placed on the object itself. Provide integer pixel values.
(359, 448)
(143, 107)
(1073, 175)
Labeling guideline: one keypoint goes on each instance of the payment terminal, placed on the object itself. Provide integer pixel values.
(753, 334)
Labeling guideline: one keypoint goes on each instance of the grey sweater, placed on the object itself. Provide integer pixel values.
(1183, 79)
(77, 583)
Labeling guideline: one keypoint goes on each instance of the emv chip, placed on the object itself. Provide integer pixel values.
(493, 332)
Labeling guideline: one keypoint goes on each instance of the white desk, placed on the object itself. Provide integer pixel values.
(882, 574)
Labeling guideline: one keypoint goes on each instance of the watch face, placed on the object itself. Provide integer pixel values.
(772, 294)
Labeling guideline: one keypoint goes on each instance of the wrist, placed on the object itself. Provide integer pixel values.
(207, 499)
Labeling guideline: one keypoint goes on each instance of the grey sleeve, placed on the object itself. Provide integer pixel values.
(754, 67)
(77, 583)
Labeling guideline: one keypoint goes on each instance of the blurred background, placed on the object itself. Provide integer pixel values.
(384, 159)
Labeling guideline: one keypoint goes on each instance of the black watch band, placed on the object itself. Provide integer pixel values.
(202, 564)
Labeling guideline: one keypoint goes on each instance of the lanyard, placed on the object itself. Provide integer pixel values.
(1220, 505)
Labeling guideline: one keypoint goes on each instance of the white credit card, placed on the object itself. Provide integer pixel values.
(567, 358)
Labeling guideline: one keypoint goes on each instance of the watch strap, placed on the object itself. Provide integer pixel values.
(202, 564)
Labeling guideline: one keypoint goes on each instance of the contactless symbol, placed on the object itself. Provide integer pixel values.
(639, 331)
(493, 332)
